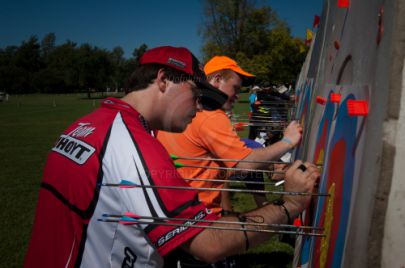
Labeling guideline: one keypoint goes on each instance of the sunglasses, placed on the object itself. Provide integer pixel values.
(197, 94)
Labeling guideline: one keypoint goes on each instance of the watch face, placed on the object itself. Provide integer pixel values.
(278, 202)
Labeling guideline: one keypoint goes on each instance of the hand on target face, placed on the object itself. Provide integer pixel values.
(300, 177)
(293, 133)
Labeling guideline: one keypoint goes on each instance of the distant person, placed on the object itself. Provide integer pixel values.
(116, 142)
(252, 111)
(253, 98)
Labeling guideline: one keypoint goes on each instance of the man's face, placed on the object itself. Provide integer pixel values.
(230, 87)
(184, 103)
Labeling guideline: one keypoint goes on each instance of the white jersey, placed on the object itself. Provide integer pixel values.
(107, 146)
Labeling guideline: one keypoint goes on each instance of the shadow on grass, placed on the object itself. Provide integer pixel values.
(102, 95)
(94, 98)
(248, 260)
(265, 260)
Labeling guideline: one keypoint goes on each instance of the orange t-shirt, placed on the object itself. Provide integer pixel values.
(210, 135)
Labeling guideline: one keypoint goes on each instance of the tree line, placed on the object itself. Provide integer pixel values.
(44, 67)
(252, 34)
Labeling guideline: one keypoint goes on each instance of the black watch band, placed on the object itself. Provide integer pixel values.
(280, 202)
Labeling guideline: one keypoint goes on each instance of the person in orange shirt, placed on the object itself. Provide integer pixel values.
(211, 135)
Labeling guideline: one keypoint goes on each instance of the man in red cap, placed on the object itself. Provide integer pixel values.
(211, 135)
(104, 200)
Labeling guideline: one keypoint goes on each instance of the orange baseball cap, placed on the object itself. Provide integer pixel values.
(218, 63)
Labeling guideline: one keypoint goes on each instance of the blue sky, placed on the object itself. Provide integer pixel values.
(126, 23)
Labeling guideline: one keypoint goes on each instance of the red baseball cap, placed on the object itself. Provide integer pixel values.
(182, 59)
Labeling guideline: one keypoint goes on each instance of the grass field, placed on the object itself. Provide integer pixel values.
(30, 124)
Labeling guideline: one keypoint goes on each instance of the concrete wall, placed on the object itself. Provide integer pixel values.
(393, 239)
(372, 70)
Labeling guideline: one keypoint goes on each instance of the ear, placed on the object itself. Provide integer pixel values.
(215, 81)
(161, 80)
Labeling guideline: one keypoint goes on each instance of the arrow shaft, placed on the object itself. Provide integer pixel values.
(211, 189)
(268, 225)
(229, 160)
(234, 169)
(287, 103)
(259, 125)
(221, 228)
(253, 116)
(232, 181)
(258, 120)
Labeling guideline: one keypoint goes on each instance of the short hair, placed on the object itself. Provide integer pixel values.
(145, 74)
(226, 74)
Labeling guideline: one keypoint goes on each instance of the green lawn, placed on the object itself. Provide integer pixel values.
(30, 124)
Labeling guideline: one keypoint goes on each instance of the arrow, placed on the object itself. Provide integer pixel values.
(128, 184)
(125, 220)
(180, 165)
(129, 216)
(269, 123)
(255, 124)
(235, 181)
(253, 116)
(281, 102)
(176, 157)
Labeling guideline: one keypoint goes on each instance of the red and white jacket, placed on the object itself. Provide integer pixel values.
(107, 146)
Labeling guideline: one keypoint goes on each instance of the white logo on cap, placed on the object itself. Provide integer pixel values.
(176, 62)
